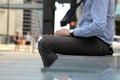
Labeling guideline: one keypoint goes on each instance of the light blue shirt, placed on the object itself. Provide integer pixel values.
(97, 19)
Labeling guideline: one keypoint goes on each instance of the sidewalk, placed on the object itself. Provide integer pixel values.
(11, 47)
(19, 65)
(7, 47)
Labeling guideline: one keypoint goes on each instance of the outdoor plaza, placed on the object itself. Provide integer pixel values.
(32, 16)
(17, 65)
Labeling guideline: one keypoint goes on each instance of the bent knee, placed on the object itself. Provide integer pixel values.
(44, 43)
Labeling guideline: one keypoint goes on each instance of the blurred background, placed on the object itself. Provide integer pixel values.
(40, 18)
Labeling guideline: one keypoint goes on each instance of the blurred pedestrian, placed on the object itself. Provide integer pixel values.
(17, 41)
(28, 41)
(37, 40)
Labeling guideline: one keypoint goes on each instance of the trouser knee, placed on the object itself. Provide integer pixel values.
(44, 43)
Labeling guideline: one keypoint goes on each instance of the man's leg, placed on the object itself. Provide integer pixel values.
(49, 46)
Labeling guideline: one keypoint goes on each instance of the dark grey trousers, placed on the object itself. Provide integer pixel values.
(90, 46)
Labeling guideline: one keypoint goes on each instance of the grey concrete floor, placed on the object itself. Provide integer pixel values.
(24, 65)
(20, 66)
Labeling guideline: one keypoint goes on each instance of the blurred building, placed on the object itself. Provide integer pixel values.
(32, 19)
(20, 20)
(15, 19)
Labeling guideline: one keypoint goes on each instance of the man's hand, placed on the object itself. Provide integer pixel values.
(62, 32)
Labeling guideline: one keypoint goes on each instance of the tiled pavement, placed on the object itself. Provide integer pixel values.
(20, 65)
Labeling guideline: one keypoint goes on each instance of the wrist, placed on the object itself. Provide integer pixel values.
(71, 33)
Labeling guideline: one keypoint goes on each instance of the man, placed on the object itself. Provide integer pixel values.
(93, 36)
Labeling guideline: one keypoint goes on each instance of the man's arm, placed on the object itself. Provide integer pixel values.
(98, 10)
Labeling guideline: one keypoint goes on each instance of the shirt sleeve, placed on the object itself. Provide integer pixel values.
(98, 13)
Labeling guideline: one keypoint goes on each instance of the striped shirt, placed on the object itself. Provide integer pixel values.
(97, 19)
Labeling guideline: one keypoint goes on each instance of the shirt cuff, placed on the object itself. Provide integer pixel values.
(71, 33)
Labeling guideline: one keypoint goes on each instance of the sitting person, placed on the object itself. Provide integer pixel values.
(92, 37)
